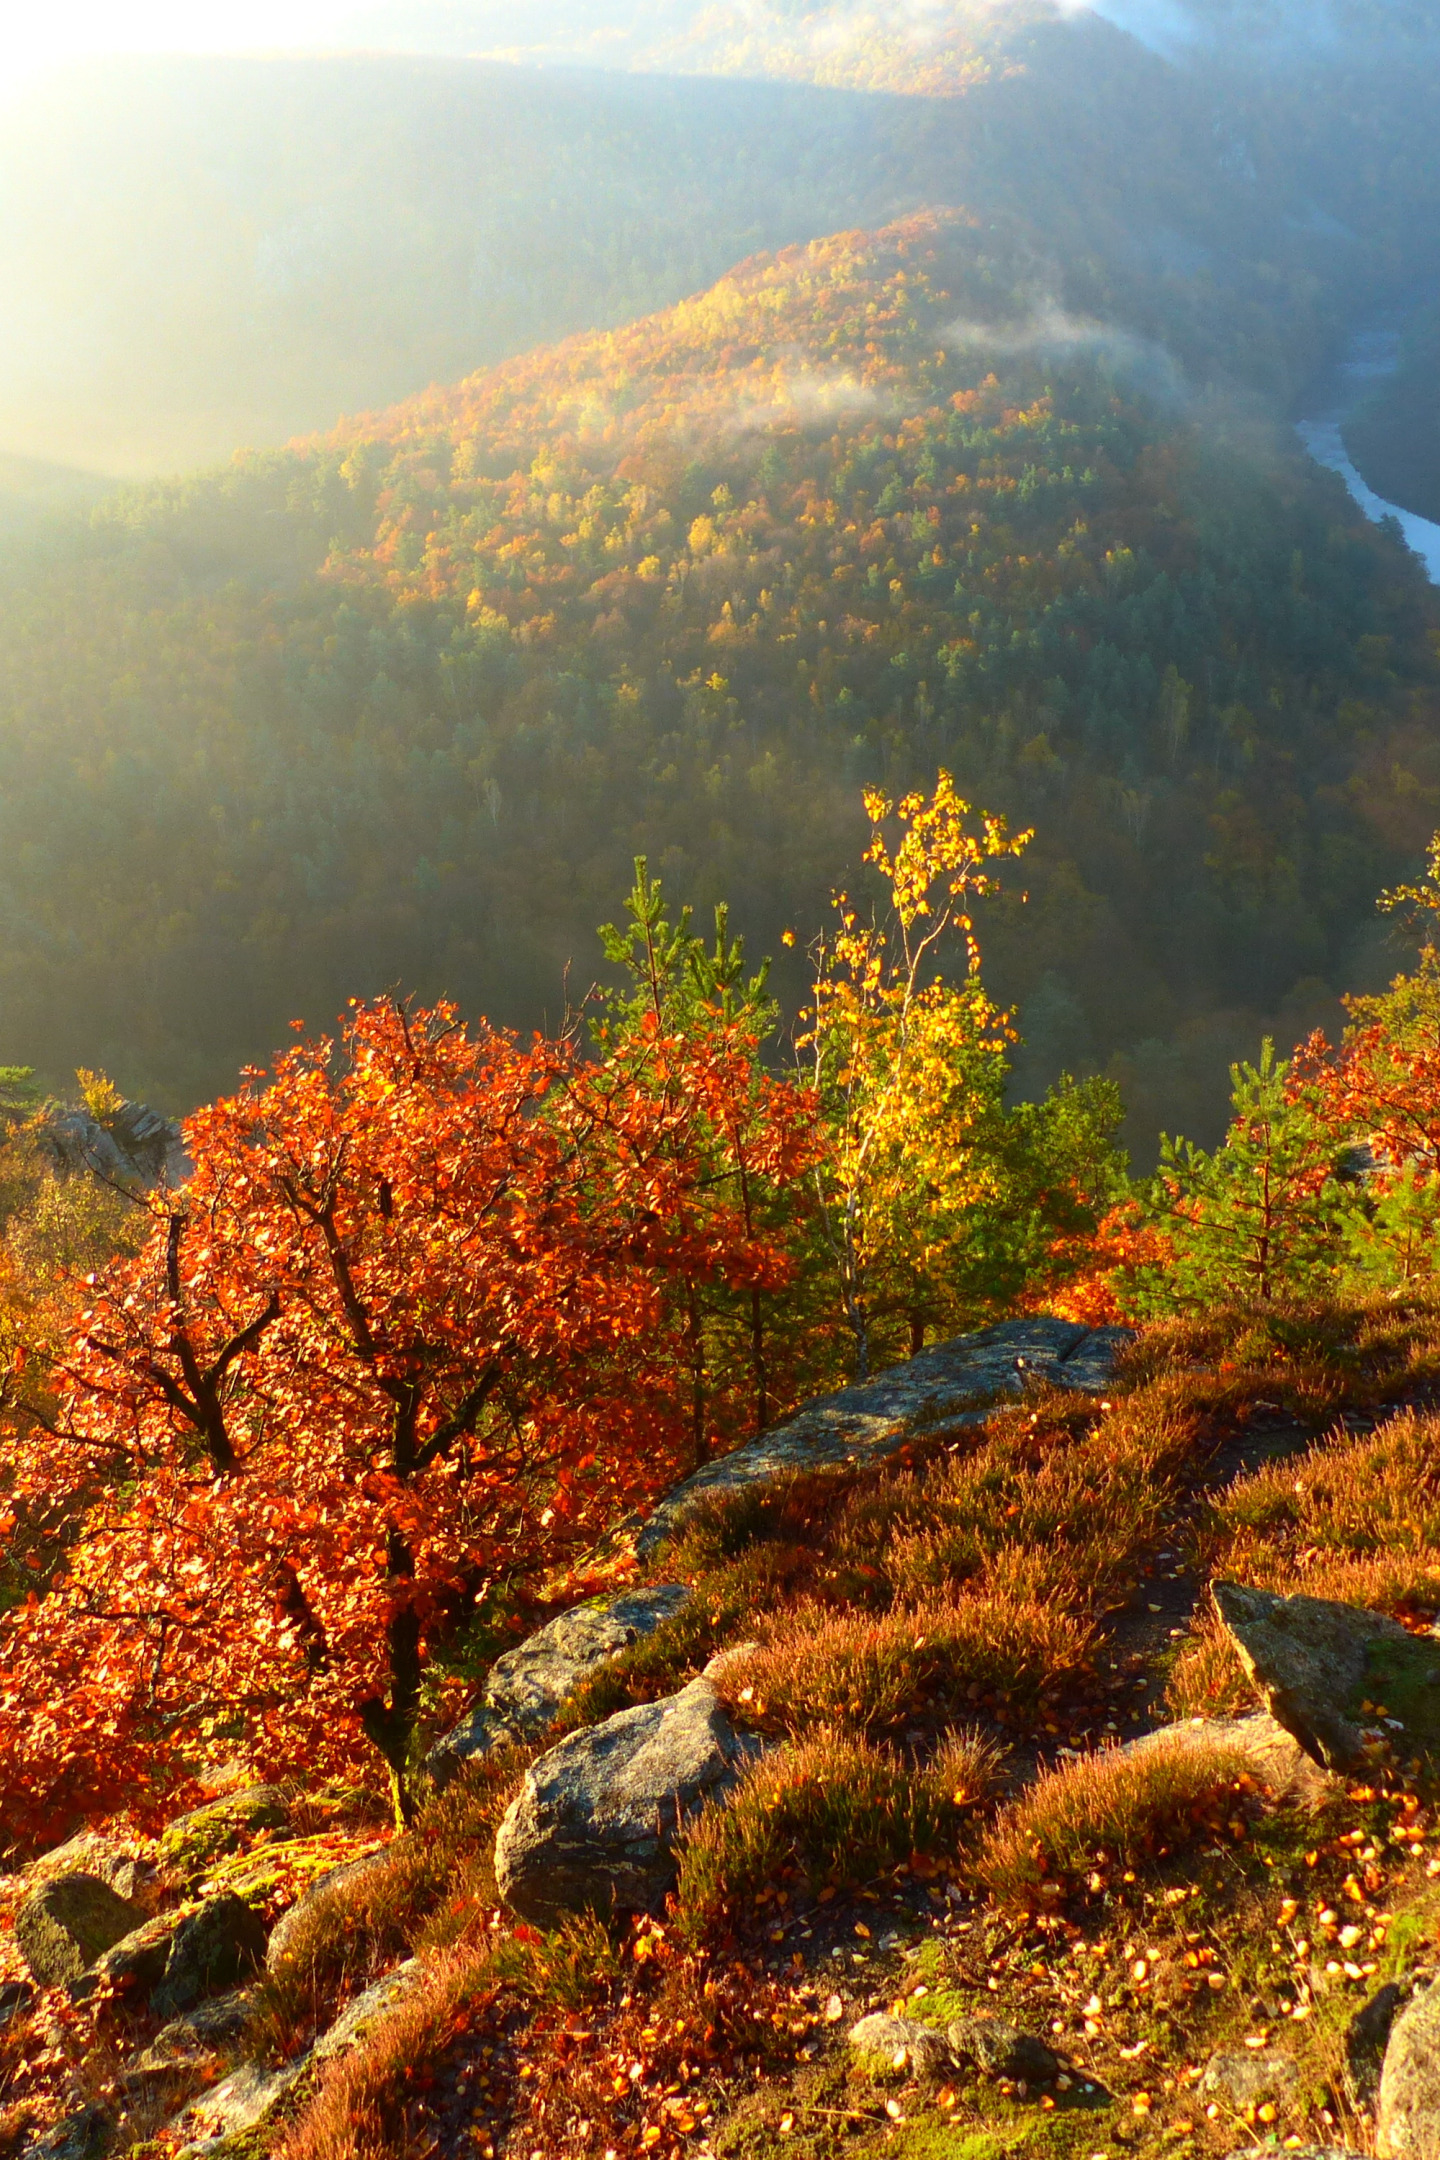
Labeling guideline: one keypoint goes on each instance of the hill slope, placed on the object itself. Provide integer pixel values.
(401, 704)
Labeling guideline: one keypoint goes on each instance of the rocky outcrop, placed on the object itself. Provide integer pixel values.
(595, 1824)
(240, 2102)
(1340, 1679)
(134, 1147)
(528, 1686)
(90, 1854)
(69, 1922)
(360, 2017)
(1408, 2117)
(947, 1385)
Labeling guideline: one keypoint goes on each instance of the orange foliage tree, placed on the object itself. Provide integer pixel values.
(406, 1332)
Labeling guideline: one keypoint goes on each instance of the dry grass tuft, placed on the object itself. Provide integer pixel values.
(922, 1664)
(1118, 1808)
(832, 1809)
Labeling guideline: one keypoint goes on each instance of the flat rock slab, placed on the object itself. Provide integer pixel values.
(866, 1423)
(69, 1922)
(1407, 2123)
(529, 1686)
(595, 1824)
(1319, 1664)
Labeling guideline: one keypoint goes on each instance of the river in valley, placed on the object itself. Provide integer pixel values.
(1371, 354)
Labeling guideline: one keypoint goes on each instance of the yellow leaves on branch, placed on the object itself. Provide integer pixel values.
(938, 866)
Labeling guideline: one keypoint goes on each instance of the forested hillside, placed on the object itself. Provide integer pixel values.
(208, 254)
(401, 704)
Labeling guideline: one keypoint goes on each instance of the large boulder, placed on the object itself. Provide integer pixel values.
(90, 1854)
(178, 1958)
(595, 1824)
(1408, 2118)
(220, 1943)
(1341, 1679)
(241, 2102)
(945, 1386)
(69, 1922)
(528, 1686)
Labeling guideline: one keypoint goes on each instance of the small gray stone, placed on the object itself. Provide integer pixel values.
(595, 1824)
(529, 1685)
(202, 2031)
(901, 2044)
(361, 2017)
(875, 1420)
(1367, 2036)
(1316, 1662)
(69, 1922)
(1408, 2118)
(1002, 2050)
(1247, 2077)
(213, 1947)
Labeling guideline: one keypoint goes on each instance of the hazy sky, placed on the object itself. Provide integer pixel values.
(33, 42)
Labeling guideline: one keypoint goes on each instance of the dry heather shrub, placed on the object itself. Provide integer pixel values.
(877, 1673)
(832, 1808)
(1377, 1494)
(360, 2111)
(1207, 1679)
(419, 1895)
(1121, 1807)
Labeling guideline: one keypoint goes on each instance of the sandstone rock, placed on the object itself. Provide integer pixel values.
(194, 1842)
(69, 1922)
(1408, 2117)
(1247, 2077)
(867, 1423)
(289, 1927)
(241, 2102)
(360, 2017)
(1317, 1664)
(1002, 2050)
(595, 1823)
(213, 1947)
(528, 1685)
(1367, 2036)
(902, 2044)
(1275, 1755)
(134, 1147)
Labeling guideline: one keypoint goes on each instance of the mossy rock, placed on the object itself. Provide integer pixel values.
(193, 1842)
